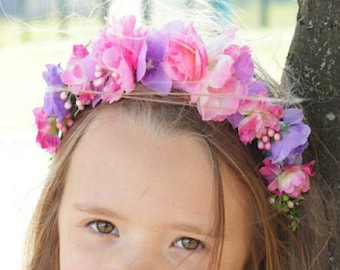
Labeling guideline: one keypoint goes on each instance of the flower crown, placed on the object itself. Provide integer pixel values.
(219, 79)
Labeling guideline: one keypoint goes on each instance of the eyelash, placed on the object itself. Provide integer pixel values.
(179, 243)
(199, 244)
(93, 225)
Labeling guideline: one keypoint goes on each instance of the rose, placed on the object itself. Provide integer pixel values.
(292, 180)
(230, 72)
(186, 60)
(217, 104)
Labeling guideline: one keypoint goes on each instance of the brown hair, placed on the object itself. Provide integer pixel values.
(273, 244)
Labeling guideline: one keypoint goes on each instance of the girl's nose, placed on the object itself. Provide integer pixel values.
(141, 255)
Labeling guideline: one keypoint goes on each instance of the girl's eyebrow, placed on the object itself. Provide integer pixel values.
(191, 228)
(98, 210)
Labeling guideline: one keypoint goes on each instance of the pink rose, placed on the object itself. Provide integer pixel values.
(186, 60)
(225, 86)
(217, 104)
(292, 180)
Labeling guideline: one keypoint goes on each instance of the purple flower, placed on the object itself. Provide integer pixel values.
(149, 69)
(53, 104)
(257, 89)
(294, 141)
(244, 66)
(235, 119)
(52, 75)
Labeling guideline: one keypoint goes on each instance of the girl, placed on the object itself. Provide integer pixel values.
(170, 154)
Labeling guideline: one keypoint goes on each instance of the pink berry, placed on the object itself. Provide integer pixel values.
(99, 82)
(68, 105)
(265, 139)
(70, 122)
(98, 74)
(63, 95)
(271, 132)
(267, 146)
(277, 137)
(260, 145)
(79, 103)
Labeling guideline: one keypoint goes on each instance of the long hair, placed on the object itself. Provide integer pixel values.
(274, 246)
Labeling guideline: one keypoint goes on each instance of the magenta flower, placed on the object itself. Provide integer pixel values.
(186, 60)
(116, 51)
(292, 180)
(294, 138)
(47, 135)
(260, 116)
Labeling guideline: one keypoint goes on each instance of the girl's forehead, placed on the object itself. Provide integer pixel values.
(126, 166)
(157, 185)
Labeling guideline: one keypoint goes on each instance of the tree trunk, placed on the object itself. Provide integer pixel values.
(313, 67)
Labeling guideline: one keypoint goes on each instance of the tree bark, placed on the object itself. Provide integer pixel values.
(312, 68)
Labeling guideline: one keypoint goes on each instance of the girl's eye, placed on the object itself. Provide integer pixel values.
(104, 227)
(189, 243)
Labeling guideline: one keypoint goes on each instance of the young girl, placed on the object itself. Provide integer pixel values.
(169, 153)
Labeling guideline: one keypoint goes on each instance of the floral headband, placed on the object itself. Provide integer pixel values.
(219, 79)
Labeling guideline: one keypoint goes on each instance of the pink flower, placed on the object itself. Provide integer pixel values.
(80, 70)
(260, 116)
(217, 104)
(47, 135)
(227, 60)
(186, 60)
(243, 64)
(116, 50)
(292, 180)
(230, 71)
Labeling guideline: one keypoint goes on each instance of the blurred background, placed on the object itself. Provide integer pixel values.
(36, 32)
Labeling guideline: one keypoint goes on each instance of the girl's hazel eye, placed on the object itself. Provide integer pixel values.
(104, 227)
(189, 243)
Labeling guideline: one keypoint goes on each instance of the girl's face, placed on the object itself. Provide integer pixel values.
(137, 200)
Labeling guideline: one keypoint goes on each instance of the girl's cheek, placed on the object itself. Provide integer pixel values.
(84, 255)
